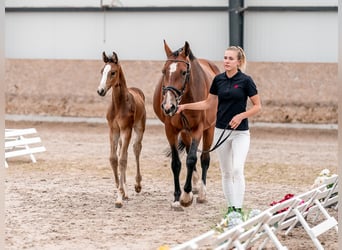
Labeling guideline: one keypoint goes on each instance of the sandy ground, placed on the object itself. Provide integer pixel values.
(66, 199)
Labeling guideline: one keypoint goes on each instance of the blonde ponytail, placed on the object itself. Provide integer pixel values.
(241, 56)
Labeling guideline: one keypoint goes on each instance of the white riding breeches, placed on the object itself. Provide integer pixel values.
(232, 156)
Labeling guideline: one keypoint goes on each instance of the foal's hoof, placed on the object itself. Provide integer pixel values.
(118, 204)
(137, 188)
(201, 200)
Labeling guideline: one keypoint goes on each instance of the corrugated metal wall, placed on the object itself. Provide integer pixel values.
(281, 36)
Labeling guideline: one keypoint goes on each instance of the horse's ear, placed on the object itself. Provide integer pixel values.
(104, 57)
(115, 58)
(167, 49)
(186, 49)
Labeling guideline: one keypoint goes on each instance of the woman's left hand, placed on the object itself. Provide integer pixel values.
(235, 122)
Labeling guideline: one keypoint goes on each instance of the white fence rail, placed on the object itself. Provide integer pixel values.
(19, 142)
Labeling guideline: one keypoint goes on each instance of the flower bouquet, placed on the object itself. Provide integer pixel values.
(320, 179)
(286, 197)
(234, 218)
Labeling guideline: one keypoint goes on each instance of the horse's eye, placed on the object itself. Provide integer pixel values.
(112, 74)
(163, 71)
(183, 73)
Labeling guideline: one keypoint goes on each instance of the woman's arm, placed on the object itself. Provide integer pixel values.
(201, 105)
(235, 122)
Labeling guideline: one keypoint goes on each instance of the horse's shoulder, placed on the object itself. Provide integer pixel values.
(137, 92)
(208, 66)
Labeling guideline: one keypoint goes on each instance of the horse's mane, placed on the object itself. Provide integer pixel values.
(110, 60)
(191, 55)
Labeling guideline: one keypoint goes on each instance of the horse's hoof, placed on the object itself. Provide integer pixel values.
(118, 204)
(201, 200)
(202, 194)
(186, 204)
(186, 199)
(175, 206)
(195, 190)
(195, 182)
(137, 188)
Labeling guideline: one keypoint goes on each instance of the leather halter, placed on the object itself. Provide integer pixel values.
(176, 92)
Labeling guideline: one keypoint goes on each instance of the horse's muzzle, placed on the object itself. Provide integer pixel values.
(101, 92)
(170, 110)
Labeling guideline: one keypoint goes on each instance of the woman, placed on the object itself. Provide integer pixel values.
(232, 88)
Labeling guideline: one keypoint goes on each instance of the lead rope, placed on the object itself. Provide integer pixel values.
(185, 123)
(219, 142)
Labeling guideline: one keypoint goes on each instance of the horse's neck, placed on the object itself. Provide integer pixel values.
(120, 93)
(196, 81)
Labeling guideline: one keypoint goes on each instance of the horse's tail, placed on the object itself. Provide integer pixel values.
(180, 148)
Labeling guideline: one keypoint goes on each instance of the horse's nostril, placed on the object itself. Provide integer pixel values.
(166, 111)
(169, 109)
(101, 92)
(173, 110)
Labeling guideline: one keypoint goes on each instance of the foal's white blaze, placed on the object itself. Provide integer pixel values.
(102, 85)
(168, 96)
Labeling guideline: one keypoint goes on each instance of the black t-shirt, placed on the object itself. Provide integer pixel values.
(232, 97)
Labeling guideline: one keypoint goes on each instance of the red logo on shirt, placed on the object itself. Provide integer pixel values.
(236, 86)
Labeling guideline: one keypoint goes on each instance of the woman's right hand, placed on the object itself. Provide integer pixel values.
(180, 108)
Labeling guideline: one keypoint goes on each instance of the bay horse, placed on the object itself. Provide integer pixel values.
(126, 114)
(186, 79)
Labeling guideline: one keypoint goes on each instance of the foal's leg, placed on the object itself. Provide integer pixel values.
(137, 146)
(125, 137)
(114, 141)
(113, 158)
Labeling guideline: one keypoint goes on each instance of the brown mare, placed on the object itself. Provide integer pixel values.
(186, 79)
(126, 113)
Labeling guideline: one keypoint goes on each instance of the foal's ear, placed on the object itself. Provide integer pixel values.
(115, 58)
(186, 49)
(167, 49)
(104, 57)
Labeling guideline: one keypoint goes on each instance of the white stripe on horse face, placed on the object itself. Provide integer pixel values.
(106, 69)
(168, 100)
(173, 67)
(169, 97)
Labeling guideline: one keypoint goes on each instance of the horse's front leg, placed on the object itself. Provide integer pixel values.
(191, 160)
(176, 168)
(195, 176)
(125, 138)
(205, 162)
